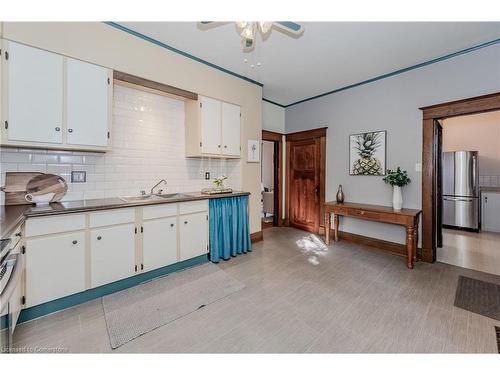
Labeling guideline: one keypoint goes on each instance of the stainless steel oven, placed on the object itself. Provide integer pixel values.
(10, 296)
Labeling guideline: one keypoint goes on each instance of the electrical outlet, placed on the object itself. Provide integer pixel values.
(207, 175)
(78, 176)
(418, 167)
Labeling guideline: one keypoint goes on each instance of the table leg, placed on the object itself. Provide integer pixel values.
(410, 245)
(336, 225)
(327, 226)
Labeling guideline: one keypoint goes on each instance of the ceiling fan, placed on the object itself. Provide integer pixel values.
(248, 30)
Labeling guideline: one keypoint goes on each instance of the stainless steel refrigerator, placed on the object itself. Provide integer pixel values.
(461, 190)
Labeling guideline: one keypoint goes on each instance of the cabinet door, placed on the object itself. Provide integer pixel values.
(193, 235)
(34, 95)
(112, 254)
(230, 129)
(55, 267)
(87, 103)
(210, 119)
(491, 208)
(159, 244)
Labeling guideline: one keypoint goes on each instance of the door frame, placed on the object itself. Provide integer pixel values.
(479, 104)
(318, 134)
(277, 138)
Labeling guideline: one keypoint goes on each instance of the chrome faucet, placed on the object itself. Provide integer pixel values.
(159, 182)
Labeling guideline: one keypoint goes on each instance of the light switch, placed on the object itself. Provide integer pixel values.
(207, 175)
(78, 176)
(418, 167)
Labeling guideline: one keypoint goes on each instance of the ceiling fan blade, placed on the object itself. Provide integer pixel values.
(293, 28)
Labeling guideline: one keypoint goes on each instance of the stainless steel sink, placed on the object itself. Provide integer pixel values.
(150, 197)
(140, 198)
(173, 196)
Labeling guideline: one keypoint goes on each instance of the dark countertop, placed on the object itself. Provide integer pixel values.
(493, 189)
(12, 216)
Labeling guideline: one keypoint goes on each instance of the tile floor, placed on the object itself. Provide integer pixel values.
(478, 251)
(300, 296)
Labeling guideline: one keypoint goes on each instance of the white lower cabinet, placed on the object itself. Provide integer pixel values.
(193, 235)
(112, 254)
(159, 244)
(121, 243)
(55, 267)
(490, 208)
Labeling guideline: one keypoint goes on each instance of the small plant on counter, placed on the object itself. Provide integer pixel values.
(397, 179)
(219, 181)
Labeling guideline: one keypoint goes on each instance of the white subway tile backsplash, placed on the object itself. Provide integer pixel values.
(147, 145)
(490, 181)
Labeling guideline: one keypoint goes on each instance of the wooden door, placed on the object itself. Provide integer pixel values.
(304, 184)
(55, 267)
(159, 246)
(230, 129)
(193, 235)
(210, 119)
(87, 100)
(35, 94)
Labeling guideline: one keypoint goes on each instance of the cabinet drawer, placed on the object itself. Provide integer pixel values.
(194, 206)
(111, 217)
(37, 226)
(364, 214)
(159, 210)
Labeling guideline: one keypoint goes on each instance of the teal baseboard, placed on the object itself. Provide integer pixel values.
(88, 295)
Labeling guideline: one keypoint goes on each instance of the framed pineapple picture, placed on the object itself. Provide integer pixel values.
(367, 153)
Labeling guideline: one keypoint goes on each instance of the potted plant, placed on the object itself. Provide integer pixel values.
(397, 179)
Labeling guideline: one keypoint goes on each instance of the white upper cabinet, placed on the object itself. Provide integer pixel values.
(210, 116)
(34, 95)
(55, 102)
(87, 100)
(212, 128)
(230, 129)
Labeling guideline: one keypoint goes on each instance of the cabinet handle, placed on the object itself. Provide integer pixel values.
(172, 225)
(58, 128)
(99, 237)
(225, 146)
(185, 222)
(70, 130)
(75, 242)
(218, 146)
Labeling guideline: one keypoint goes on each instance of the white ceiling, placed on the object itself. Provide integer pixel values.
(328, 56)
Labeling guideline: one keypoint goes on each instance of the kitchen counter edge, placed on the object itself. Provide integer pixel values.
(13, 216)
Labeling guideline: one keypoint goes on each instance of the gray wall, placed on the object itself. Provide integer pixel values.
(391, 104)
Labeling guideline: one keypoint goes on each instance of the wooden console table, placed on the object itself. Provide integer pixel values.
(407, 217)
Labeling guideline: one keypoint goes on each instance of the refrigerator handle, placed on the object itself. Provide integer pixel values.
(474, 175)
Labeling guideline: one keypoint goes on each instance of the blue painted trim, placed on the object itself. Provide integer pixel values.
(185, 54)
(442, 58)
(87, 295)
(270, 101)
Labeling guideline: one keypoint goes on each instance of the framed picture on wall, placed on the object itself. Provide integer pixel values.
(367, 154)
(253, 150)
